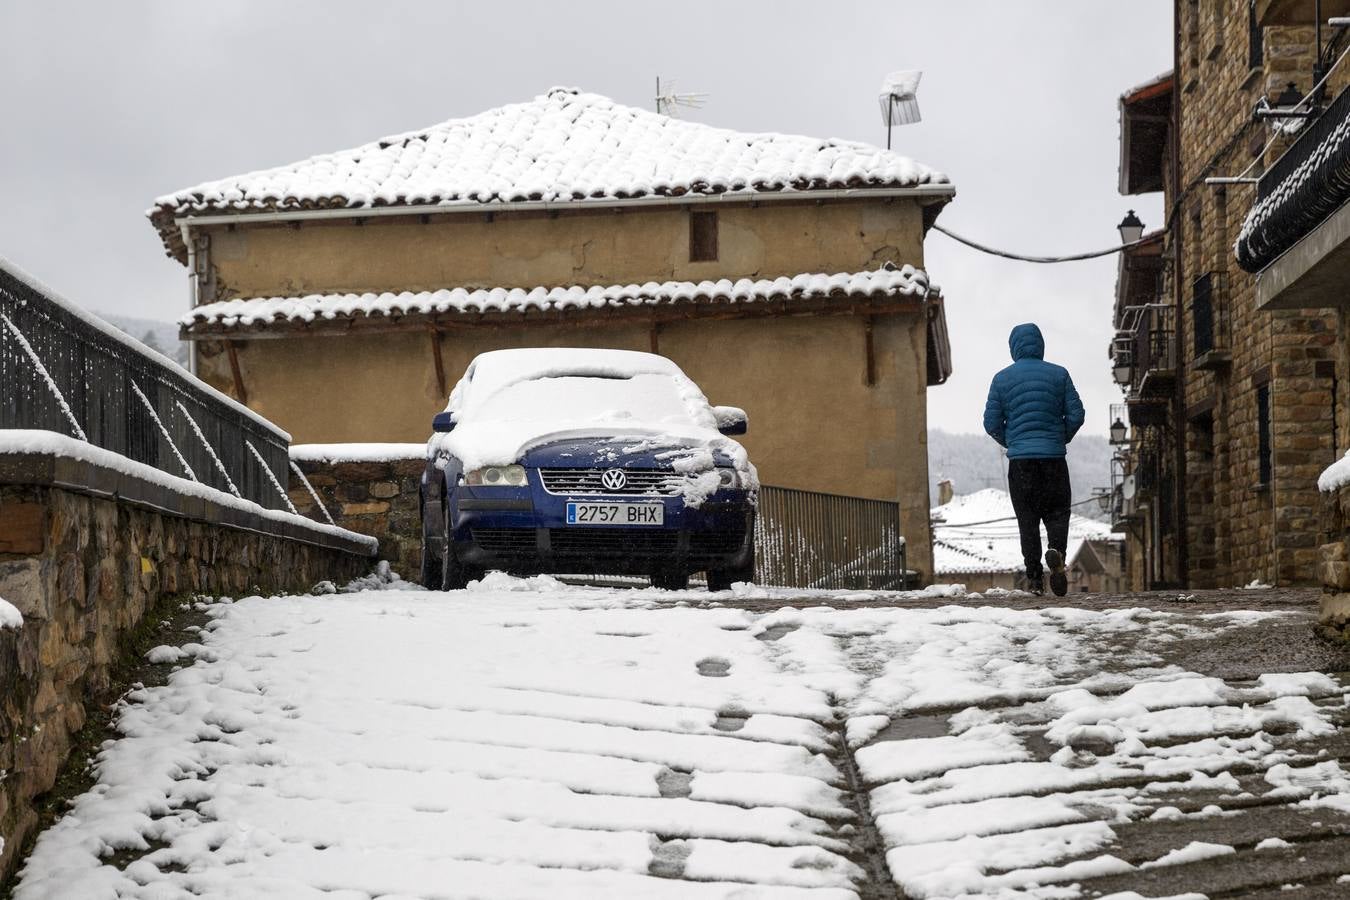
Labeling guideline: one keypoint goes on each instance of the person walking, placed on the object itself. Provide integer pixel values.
(1033, 410)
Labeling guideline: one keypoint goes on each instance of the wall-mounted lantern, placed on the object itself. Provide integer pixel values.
(1131, 228)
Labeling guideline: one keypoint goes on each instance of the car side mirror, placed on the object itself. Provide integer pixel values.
(731, 420)
(443, 422)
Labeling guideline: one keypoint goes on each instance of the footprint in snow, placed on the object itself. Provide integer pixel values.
(714, 667)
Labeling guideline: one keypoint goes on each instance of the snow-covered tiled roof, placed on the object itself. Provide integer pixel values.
(905, 281)
(564, 145)
(977, 534)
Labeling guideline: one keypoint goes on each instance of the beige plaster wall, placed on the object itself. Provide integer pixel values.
(814, 423)
(532, 249)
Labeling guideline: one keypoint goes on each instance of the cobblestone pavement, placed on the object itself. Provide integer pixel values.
(529, 739)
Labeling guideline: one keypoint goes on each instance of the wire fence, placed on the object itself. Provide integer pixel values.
(62, 372)
(806, 539)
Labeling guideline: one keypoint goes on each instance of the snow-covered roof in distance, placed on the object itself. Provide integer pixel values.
(259, 312)
(562, 146)
(977, 533)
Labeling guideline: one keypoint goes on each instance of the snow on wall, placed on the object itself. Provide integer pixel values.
(904, 281)
(21, 440)
(1335, 476)
(370, 452)
(564, 145)
(10, 617)
(136, 346)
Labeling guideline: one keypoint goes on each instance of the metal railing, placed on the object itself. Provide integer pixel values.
(1154, 341)
(63, 372)
(1309, 182)
(807, 539)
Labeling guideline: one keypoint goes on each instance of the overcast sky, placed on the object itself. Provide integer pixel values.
(105, 106)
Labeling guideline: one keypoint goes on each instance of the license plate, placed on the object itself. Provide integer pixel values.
(616, 514)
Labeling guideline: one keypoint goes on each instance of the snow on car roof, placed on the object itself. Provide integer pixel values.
(563, 146)
(512, 400)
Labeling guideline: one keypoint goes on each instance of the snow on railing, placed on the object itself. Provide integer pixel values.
(66, 371)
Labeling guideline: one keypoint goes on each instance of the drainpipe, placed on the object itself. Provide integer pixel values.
(1178, 272)
(185, 230)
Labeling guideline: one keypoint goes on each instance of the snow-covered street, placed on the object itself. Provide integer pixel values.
(529, 739)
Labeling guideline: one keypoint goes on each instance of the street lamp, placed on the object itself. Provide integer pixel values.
(1104, 499)
(1121, 370)
(1131, 229)
(1119, 431)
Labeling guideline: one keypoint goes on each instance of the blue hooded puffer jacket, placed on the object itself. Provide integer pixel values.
(1033, 409)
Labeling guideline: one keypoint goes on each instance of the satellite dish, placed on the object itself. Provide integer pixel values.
(1127, 487)
(899, 100)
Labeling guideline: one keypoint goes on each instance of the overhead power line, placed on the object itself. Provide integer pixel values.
(1020, 257)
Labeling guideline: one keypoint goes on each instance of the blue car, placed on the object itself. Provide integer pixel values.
(582, 461)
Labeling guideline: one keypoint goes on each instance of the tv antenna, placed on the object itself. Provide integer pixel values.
(898, 99)
(667, 100)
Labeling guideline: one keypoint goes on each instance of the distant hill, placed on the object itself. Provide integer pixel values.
(155, 334)
(974, 462)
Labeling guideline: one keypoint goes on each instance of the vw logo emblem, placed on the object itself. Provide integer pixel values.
(614, 480)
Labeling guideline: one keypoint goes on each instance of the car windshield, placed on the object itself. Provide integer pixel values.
(637, 400)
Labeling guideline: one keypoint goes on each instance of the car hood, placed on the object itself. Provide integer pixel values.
(626, 451)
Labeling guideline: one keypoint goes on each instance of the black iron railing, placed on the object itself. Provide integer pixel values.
(806, 539)
(1154, 341)
(63, 371)
(1308, 183)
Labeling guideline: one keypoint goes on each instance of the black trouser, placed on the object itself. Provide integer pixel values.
(1040, 493)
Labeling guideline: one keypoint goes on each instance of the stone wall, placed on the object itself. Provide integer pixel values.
(375, 497)
(84, 570)
(1333, 567)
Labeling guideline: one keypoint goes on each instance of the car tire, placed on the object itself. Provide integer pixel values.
(671, 581)
(723, 579)
(431, 568)
(430, 573)
(454, 575)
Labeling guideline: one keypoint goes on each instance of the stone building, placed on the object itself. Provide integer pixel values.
(343, 295)
(1230, 401)
(1295, 239)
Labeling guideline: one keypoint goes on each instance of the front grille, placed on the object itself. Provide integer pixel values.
(504, 540)
(641, 482)
(614, 541)
(719, 542)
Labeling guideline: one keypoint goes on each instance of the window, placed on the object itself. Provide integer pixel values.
(702, 237)
(1263, 434)
(1255, 38)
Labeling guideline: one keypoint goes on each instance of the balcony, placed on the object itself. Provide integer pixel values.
(1297, 234)
(1154, 351)
(1210, 322)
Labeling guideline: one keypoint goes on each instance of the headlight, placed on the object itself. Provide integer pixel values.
(497, 476)
(728, 479)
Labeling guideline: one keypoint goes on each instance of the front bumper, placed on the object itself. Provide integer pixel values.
(524, 530)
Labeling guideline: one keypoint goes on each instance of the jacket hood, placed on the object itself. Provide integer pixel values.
(1026, 342)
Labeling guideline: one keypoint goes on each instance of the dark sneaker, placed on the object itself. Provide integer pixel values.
(1036, 584)
(1059, 580)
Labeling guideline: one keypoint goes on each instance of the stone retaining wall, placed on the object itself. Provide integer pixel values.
(375, 497)
(84, 565)
(1333, 566)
